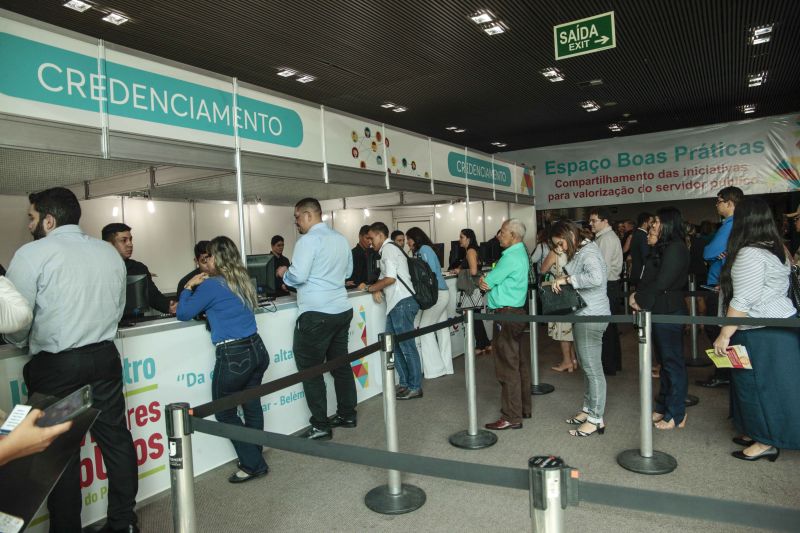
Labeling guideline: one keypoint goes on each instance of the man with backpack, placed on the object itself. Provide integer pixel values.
(507, 289)
(401, 308)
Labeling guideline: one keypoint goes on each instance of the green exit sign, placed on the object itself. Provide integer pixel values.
(585, 36)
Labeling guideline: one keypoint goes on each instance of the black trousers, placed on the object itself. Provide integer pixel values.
(320, 337)
(713, 331)
(612, 351)
(62, 373)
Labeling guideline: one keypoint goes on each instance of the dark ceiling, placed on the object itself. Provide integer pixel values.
(677, 63)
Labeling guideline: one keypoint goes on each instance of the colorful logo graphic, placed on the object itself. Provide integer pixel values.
(361, 367)
(526, 182)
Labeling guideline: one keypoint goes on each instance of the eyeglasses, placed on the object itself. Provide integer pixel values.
(204, 259)
(721, 201)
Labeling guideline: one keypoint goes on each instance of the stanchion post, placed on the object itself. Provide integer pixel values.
(645, 460)
(696, 360)
(472, 438)
(553, 486)
(181, 468)
(395, 497)
(536, 387)
(625, 288)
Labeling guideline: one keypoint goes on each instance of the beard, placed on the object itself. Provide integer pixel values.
(38, 232)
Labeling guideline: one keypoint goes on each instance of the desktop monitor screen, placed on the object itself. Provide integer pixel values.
(262, 269)
(438, 247)
(136, 301)
(457, 255)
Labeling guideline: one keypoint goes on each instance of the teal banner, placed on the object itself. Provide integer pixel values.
(42, 73)
(475, 169)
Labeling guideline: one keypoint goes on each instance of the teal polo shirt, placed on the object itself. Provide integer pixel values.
(508, 280)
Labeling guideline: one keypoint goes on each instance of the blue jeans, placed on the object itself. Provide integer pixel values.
(671, 399)
(400, 320)
(589, 348)
(240, 366)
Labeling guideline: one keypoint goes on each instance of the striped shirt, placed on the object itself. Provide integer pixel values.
(588, 274)
(761, 285)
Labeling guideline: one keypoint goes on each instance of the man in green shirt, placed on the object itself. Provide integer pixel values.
(507, 289)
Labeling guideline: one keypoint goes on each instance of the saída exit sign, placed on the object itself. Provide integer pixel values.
(585, 36)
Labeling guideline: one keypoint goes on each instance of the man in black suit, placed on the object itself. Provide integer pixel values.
(639, 247)
(364, 259)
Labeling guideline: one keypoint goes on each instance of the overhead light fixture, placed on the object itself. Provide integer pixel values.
(366, 213)
(748, 109)
(227, 213)
(115, 18)
(325, 217)
(450, 208)
(590, 106)
(260, 206)
(387, 105)
(115, 211)
(77, 5)
(151, 207)
(286, 72)
(482, 16)
(460, 130)
(495, 28)
(400, 109)
(438, 214)
(306, 78)
(615, 127)
(754, 80)
(552, 74)
(760, 34)
(451, 128)
(499, 144)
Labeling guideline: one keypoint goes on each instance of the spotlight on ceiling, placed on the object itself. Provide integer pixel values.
(495, 28)
(286, 72)
(552, 74)
(760, 34)
(387, 105)
(115, 18)
(400, 109)
(615, 127)
(482, 16)
(460, 130)
(306, 78)
(499, 144)
(590, 106)
(77, 5)
(748, 109)
(754, 80)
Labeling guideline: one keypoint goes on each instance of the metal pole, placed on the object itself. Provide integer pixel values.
(644, 460)
(536, 387)
(695, 360)
(238, 163)
(625, 288)
(395, 497)
(553, 486)
(181, 468)
(472, 438)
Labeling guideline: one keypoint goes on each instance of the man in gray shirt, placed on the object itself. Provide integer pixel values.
(76, 287)
(611, 248)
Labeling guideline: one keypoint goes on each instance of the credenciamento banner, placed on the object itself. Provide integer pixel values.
(758, 156)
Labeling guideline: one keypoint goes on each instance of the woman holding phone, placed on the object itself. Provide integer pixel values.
(229, 301)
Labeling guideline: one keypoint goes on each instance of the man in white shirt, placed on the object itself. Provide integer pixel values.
(611, 248)
(401, 308)
(76, 287)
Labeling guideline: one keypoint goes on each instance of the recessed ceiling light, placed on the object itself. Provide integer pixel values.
(400, 109)
(306, 78)
(460, 130)
(482, 16)
(499, 144)
(754, 80)
(451, 128)
(590, 105)
(616, 128)
(495, 29)
(286, 72)
(760, 34)
(77, 5)
(748, 109)
(115, 18)
(552, 74)
(387, 105)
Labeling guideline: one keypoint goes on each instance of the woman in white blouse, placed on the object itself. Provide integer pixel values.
(755, 283)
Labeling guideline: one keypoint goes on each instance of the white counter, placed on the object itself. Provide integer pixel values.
(168, 361)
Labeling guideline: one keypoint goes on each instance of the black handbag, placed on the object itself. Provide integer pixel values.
(794, 286)
(566, 302)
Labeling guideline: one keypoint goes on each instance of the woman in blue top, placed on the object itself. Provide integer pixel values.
(437, 359)
(229, 300)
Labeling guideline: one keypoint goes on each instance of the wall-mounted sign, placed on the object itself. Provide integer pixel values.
(585, 36)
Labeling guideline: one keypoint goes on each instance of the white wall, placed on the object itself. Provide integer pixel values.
(275, 220)
(349, 221)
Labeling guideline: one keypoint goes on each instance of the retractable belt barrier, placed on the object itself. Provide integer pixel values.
(695, 507)
(657, 319)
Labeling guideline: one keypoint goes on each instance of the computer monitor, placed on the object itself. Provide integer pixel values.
(438, 247)
(136, 300)
(457, 255)
(262, 269)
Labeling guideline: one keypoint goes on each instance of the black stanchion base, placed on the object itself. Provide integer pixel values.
(482, 439)
(381, 501)
(700, 361)
(691, 400)
(659, 463)
(541, 388)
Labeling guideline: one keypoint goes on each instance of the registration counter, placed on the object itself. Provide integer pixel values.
(167, 361)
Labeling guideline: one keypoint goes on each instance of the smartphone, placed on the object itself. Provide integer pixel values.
(67, 408)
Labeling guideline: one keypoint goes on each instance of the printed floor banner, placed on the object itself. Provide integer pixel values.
(758, 156)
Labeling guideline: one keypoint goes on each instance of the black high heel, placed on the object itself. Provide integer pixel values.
(743, 442)
(771, 454)
(597, 429)
(575, 421)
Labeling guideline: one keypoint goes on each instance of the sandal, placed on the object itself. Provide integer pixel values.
(579, 433)
(562, 368)
(663, 424)
(657, 417)
(577, 420)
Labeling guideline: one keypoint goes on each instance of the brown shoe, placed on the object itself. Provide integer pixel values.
(501, 424)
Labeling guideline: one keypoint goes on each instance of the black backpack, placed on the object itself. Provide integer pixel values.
(426, 286)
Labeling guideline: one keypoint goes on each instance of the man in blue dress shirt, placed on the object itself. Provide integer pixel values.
(322, 262)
